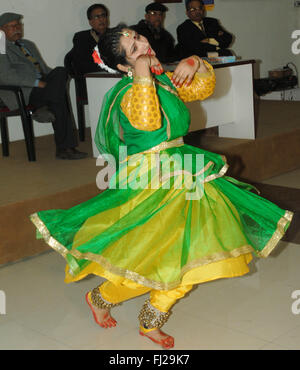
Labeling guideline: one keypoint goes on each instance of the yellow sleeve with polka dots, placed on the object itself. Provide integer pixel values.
(202, 86)
(141, 106)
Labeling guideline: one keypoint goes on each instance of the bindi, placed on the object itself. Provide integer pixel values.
(125, 33)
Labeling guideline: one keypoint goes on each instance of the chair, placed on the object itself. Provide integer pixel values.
(25, 113)
(80, 91)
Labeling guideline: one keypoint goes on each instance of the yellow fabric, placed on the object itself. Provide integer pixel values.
(120, 291)
(141, 106)
(201, 271)
(117, 293)
(144, 330)
(132, 247)
(202, 86)
(163, 300)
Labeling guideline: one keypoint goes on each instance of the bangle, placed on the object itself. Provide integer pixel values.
(143, 80)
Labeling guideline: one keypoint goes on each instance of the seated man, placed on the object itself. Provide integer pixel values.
(85, 41)
(161, 41)
(23, 66)
(202, 35)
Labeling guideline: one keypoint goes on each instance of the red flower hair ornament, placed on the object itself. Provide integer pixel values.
(97, 59)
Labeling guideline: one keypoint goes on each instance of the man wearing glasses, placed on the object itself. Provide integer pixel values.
(161, 41)
(43, 88)
(202, 35)
(85, 41)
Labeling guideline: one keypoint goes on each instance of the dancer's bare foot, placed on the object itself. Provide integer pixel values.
(159, 337)
(101, 315)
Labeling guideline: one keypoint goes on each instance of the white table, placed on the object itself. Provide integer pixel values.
(230, 107)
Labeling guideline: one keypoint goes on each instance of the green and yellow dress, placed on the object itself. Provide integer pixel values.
(170, 218)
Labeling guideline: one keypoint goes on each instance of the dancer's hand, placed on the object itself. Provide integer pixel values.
(186, 69)
(147, 63)
(155, 66)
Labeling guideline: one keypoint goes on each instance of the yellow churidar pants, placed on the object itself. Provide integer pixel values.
(162, 300)
(117, 289)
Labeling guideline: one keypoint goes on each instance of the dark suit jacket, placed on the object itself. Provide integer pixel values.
(189, 37)
(83, 46)
(163, 46)
(17, 70)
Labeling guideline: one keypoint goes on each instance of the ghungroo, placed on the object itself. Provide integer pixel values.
(150, 317)
(98, 301)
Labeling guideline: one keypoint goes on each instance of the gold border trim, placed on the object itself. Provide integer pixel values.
(164, 145)
(143, 80)
(184, 172)
(279, 232)
(221, 173)
(176, 143)
(167, 87)
(53, 243)
(168, 122)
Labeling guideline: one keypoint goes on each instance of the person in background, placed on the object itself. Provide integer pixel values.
(85, 41)
(202, 35)
(161, 41)
(43, 88)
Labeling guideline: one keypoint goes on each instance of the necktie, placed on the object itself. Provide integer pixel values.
(29, 57)
(201, 26)
(95, 36)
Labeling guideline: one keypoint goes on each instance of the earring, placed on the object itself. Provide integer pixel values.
(129, 72)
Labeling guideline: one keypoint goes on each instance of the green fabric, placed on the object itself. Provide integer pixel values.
(159, 234)
(107, 137)
(108, 134)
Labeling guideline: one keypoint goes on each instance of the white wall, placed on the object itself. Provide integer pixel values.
(262, 29)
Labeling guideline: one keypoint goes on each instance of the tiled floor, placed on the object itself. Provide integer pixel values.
(250, 312)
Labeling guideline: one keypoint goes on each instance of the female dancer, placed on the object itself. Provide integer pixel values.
(162, 226)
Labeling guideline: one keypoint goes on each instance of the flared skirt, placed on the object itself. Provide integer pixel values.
(167, 219)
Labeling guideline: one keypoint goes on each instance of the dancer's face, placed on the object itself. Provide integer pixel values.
(134, 45)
